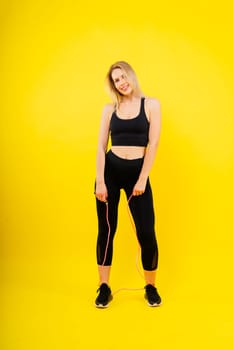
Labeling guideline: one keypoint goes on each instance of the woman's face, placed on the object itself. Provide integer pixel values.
(121, 83)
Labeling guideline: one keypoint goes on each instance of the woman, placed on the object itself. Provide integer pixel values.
(133, 122)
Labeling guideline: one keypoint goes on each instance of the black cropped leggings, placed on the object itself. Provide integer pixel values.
(123, 174)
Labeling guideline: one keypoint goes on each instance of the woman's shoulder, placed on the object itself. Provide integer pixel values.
(109, 108)
(152, 108)
(152, 102)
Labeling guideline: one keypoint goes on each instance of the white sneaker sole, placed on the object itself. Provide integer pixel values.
(101, 306)
(154, 305)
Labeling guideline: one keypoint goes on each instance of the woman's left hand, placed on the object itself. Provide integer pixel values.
(139, 187)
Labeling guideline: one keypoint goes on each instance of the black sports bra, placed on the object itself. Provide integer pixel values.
(130, 132)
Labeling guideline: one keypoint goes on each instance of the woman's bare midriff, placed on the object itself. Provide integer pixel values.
(129, 152)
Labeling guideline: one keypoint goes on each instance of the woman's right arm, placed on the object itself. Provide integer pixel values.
(101, 189)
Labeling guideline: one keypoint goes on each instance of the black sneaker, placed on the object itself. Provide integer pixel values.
(152, 296)
(104, 297)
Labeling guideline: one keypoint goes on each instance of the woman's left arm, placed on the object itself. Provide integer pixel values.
(152, 108)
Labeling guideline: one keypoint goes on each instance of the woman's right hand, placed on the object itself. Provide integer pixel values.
(101, 192)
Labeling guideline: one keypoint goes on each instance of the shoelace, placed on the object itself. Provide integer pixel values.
(104, 290)
(151, 290)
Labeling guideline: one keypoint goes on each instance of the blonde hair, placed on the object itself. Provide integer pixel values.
(131, 77)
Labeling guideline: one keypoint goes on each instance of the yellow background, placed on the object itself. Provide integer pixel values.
(54, 57)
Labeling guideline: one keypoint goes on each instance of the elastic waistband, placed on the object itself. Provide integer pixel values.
(113, 155)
